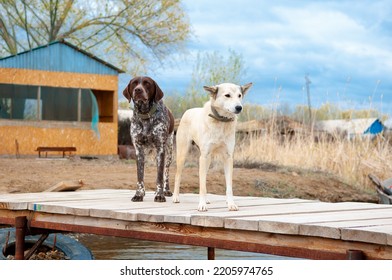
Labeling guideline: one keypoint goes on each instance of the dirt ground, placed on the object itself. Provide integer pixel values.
(36, 175)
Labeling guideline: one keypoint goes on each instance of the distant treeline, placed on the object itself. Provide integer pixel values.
(179, 104)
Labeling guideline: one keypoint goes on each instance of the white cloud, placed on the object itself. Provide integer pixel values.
(329, 40)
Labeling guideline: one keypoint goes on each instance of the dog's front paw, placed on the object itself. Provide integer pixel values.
(160, 198)
(140, 193)
(233, 207)
(176, 199)
(167, 193)
(202, 207)
(137, 198)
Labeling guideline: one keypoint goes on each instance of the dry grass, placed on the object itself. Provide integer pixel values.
(351, 161)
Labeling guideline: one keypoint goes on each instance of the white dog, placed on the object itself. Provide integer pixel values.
(212, 129)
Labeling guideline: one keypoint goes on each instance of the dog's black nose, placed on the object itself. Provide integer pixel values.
(238, 108)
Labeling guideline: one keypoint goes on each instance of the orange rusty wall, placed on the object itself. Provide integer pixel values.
(84, 139)
(57, 79)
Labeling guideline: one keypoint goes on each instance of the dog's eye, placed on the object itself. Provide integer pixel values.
(239, 95)
(227, 95)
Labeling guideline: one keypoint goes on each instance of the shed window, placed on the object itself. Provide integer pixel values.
(22, 102)
(59, 104)
(18, 102)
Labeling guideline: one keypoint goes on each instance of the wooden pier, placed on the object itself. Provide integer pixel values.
(287, 227)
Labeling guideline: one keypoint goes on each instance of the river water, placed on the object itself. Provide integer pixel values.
(117, 248)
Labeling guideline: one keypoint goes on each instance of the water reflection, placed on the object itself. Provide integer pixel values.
(117, 248)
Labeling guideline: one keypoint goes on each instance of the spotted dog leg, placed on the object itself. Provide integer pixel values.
(168, 161)
(159, 196)
(140, 191)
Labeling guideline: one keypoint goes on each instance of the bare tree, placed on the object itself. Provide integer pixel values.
(128, 33)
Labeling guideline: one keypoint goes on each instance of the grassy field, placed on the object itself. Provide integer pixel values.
(350, 160)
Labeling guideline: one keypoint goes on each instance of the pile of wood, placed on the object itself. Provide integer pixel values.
(44, 253)
(383, 188)
(282, 126)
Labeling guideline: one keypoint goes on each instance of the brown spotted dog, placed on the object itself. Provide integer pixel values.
(152, 128)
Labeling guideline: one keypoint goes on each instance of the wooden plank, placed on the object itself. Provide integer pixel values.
(21, 201)
(13, 206)
(42, 196)
(7, 217)
(216, 215)
(153, 211)
(161, 212)
(178, 212)
(174, 212)
(289, 222)
(81, 207)
(249, 215)
(59, 209)
(56, 149)
(261, 217)
(285, 216)
(66, 186)
(128, 210)
(288, 245)
(165, 212)
(64, 203)
(333, 229)
(373, 234)
(302, 223)
(125, 209)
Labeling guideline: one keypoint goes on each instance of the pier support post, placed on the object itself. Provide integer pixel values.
(20, 233)
(355, 255)
(211, 253)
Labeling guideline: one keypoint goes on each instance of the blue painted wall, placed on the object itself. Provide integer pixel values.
(60, 56)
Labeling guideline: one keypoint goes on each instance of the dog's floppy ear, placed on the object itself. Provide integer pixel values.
(158, 92)
(127, 92)
(213, 90)
(245, 88)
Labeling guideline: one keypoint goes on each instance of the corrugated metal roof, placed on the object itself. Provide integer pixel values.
(60, 56)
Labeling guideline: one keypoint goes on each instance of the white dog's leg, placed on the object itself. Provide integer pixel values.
(177, 180)
(228, 166)
(204, 164)
(182, 150)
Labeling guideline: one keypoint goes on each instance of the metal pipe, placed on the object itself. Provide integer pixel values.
(36, 246)
(20, 233)
(211, 253)
(355, 255)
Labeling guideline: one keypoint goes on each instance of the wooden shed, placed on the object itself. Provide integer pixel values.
(58, 95)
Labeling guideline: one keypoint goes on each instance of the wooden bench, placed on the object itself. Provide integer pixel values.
(55, 149)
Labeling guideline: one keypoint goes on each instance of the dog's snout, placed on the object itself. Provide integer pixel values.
(238, 108)
(139, 94)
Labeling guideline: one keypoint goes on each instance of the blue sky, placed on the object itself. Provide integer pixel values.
(344, 47)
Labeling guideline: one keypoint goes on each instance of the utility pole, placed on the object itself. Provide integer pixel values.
(308, 92)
